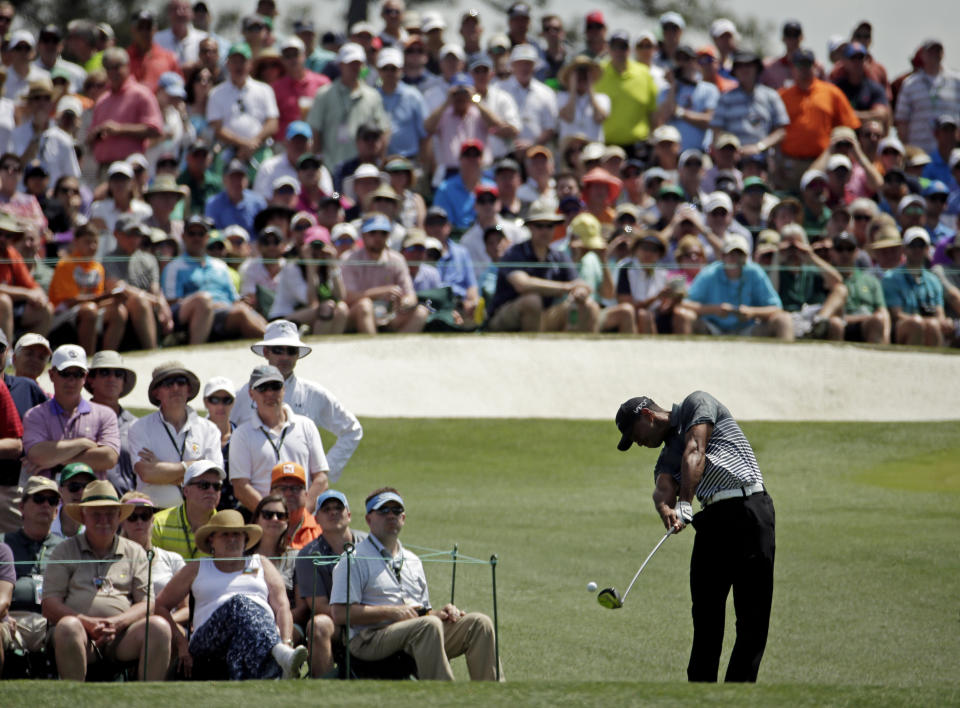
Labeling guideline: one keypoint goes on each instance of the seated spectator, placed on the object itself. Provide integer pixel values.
(312, 292)
(380, 295)
(726, 158)
(424, 275)
(950, 279)
(735, 296)
(298, 143)
(241, 616)
(915, 295)
(262, 271)
(431, 636)
(164, 196)
(690, 257)
(495, 244)
(110, 379)
(219, 395)
(864, 178)
(102, 604)
(886, 245)
(945, 134)
(273, 434)
(456, 193)
(137, 527)
(202, 295)
(533, 298)
(120, 200)
(174, 528)
(23, 303)
(600, 192)
(79, 297)
(235, 204)
(289, 481)
(74, 478)
(540, 186)
(25, 628)
(591, 252)
(31, 354)
(865, 317)
(454, 266)
(199, 178)
(24, 391)
(814, 187)
(643, 286)
(809, 287)
(402, 177)
(69, 428)
(487, 206)
(272, 516)
(684, 221)
(935, 196)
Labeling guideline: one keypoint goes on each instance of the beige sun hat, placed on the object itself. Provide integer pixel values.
(227, 520)
(98, 494)
(109, 359)
(165, 371)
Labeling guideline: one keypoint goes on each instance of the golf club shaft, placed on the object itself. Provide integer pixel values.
(655, 549)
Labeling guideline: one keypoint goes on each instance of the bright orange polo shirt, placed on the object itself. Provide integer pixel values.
(813, 114)
(72, 278)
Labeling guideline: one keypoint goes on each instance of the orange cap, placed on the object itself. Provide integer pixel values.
(288, 470)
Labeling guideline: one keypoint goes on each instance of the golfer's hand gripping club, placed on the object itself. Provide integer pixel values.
(684, 512)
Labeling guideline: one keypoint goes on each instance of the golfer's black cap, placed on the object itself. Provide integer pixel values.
(628, 412)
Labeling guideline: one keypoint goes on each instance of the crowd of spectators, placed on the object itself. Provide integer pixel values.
(406, 175)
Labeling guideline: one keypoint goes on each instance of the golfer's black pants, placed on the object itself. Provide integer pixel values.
(734, 547)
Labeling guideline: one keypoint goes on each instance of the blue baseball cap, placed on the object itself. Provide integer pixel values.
(172, 83)
(331, 494)
(299, 128)
(377, 222)
(381, 499)
(461, 79)
(936, 187)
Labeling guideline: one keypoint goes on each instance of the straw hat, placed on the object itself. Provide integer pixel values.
(165, 371)
(98, 494)
(581, 60)
(108, 359)
(227, 520)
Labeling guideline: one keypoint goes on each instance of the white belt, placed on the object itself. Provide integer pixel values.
(741, 492)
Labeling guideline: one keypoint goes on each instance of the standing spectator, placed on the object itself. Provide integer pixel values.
(298, 141)
(370, 142)
(457, 121)
(633, 96)
(181, 38)
(689, 102)
(945, 134)
(404, 105)
(672, 26)
(595, 36)
(752, 111)
(582, 110)
(69, 428)
(778, 73)
(49, 58)
(235, 204)
(56, 145)
(915, 295)
(109, 380)
(23, 303)
(340, 108)
(500, 104)
(471, 32)
(866, 96)
(35, 118)
(20, 49)
(815, 108)
(148, 60)
(536, 102)
(555, 52)
(126, 116)
(456, 193)
(930, 91)
(296, 88)
(242, 111)
(381, 294)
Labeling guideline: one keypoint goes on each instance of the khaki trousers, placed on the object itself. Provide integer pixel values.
(432, 643)
(10, 518)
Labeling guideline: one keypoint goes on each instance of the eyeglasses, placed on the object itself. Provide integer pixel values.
(51, 499)
(279, 515)
(116, 373)
(138, 516)
(386, 510)
(69, 191)
(284, 351)
(73, 374)
(10, 169)
(205, 486)
(74, 487)
(269, 386)
(172, 381)
(220, 400)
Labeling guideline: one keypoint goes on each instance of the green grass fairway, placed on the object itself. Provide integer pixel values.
(866, 606)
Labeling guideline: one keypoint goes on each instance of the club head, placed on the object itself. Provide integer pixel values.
(609, 598)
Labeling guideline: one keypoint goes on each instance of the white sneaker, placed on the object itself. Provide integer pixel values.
(293, 661)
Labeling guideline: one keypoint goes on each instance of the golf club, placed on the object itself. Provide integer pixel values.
(610, 598)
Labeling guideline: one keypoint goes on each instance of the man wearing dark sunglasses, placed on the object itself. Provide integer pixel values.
(174, 528)
(28, 545)
(69, 428)
(109, 380)
(865, 317)
(282, 348)
(390, 605)
(274, 434)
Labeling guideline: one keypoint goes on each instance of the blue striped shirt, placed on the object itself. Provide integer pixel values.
(185, 275)
(750, 116)
(730, 462)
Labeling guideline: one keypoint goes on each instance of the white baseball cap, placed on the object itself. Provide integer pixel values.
(390, 56)
(286, 181)
(721, 26)
(69, 356)
(891, 142)
(451, 48)
(31, 339)
(736, 242)
(219, 383)
(69, 104)
(430, 21)
(524, 52)
(836, 161)
(673, 18)
(914, 233)
(200, 467)
(120, 168)
(351, 52)
(811, 175)
(665, 134)
(21, 36)
(235, 230)
(910, 200)
(293, 42)
(716, 200)
(592, 151)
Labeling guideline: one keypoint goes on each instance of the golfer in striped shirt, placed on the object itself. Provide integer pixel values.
(706, 454)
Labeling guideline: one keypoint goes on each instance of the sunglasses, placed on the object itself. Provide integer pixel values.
(138, 516)
(387, 510)
(844, 249)
(41, 499)
(269, 386)
(206, 486)
(862, 217)
(270, 241)
(74, 487)
(220, 400)
(116, 373)
(343, 242)
(196, 233)
(279, 515)
(486, 199)
(284, 351)
(73, 374)
(174, 381)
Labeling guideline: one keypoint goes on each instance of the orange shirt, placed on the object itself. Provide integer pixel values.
(305, 531)
(72, 278)
(13, 271)
(147, 68)
(813, 115)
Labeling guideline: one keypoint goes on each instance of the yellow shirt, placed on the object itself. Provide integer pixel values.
(633, 99)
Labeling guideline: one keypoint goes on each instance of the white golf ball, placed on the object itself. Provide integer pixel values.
(591, 586)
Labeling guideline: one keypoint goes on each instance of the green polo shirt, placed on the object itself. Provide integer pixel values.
(336, 114)
(172, 532)
(864, 293)
(633, 99)
(801, 287)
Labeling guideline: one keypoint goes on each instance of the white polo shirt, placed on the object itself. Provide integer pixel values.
(198, 439)
(242, 110)
(279, 166)
(537, 104)
(312, 400)
(255, 449)
(373, 579)
(502, 105)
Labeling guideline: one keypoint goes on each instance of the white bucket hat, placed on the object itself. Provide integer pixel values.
(281, 333)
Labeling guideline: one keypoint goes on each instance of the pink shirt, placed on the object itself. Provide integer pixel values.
(453, 130)
(389, 269)
(134, 103)
(24, 207)
(289, 91)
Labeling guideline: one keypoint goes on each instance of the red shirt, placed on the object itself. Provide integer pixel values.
(10, 425)
(133, 103)
(13, 271)
(147, 68)
(289, 91)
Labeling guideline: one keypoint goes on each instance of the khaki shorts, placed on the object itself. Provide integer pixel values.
(31, 634)
(756, 328)
(507, 317)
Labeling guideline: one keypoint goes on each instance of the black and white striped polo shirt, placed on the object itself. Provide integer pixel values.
(730, 462)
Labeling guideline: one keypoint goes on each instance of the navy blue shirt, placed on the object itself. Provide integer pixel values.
(558, 268)
(25, 392)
